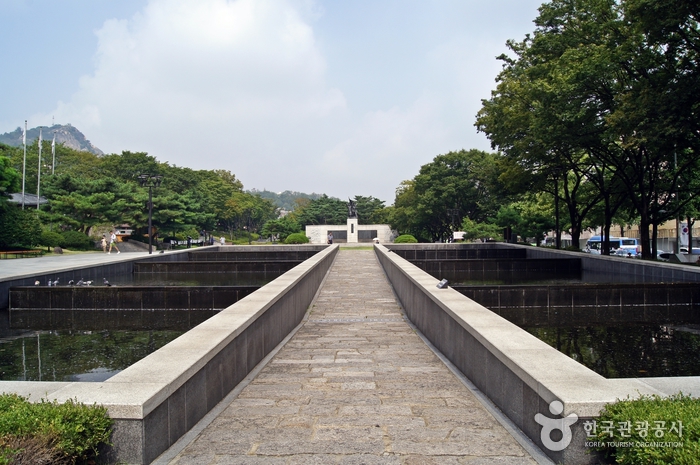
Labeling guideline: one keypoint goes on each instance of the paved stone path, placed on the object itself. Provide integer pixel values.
(355, 385)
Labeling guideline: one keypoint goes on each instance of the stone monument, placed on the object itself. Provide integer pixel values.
(352, 221)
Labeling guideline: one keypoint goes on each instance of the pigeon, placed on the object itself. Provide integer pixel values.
(80, 282)
(49, 283)
(105, 282)
(87, 283)
(55, 283)
(71, 282)
(36, 283)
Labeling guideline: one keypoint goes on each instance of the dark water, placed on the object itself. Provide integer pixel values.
(76, 355)
(629, 351)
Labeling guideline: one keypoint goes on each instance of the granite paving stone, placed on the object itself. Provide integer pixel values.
(355, 385)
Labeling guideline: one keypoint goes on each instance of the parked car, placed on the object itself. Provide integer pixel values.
(631, 253)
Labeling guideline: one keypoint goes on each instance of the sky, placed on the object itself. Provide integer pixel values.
(338, 97)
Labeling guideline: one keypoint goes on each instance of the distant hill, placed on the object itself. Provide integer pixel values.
(65, 134)
(286, 199)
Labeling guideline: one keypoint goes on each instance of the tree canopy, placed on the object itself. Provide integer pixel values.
(600, 106)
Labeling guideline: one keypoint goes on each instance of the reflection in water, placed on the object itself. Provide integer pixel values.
(76, 355)
(628, 351)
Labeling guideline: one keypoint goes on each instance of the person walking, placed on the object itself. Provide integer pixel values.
(104, 243)
(330, 237)
(223, 240)
(113, 242)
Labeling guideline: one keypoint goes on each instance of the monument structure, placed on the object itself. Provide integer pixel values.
(352, 231)
(352, 222)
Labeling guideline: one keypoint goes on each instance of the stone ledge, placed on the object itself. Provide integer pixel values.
(525, 365)
(145, 397)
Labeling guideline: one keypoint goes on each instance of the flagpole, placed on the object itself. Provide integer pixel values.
(38, 176)
(24, 162)
(53, 153)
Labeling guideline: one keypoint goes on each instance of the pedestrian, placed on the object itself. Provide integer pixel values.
(113, 242)
(330, 237)
(104, 243)
(223, 240)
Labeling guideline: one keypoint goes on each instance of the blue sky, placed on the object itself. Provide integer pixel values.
(338, 97)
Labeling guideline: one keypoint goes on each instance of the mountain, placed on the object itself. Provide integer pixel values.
(284, 200)
(65, 134)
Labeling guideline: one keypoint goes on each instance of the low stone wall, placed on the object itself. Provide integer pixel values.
(262, 268)
(253, 253)
(590, 304)
(123, 307)
(498, 269)
(456, 252)
(519, 373)
(620, 269)
(158, 399)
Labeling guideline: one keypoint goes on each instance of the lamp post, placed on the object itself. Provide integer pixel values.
(150, 181)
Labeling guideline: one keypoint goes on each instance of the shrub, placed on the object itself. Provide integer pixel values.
(18, 228)
(405, 239)
(674, 410)
(50, 239)
(297, 238)
(76, 240)
(70, 432)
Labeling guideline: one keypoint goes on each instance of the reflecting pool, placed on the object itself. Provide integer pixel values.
(629, 351)
(75, 355)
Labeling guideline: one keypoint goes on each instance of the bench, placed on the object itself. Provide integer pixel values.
(21, 253)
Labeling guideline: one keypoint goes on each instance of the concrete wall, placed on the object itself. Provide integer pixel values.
(158, 399)
(517, 371)
(590, 304)
(124, 307)
(318, 234)
(626, 269)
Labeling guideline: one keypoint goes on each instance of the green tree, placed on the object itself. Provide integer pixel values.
(84, 203)
(324, 210)
(369, 209)
(599, 91)
(281, 227)
(473, 230)
(18, 228)
(453, 186)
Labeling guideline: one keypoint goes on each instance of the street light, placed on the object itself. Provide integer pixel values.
(150, 181)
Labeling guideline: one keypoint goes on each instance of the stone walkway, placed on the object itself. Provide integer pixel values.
(355, 385)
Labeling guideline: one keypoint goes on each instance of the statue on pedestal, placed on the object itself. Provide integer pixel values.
(352, 209)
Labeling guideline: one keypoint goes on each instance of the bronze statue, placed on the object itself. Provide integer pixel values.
(352, 209)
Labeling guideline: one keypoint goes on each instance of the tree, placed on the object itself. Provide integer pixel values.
(9, 179)
(473, 230)
(324, 210)
(453, 186)
(18, 228)
(281, 228)
(600, 91)
(84, 203)
(369, 209)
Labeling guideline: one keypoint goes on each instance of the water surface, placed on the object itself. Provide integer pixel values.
(629, 350)
(75, 355)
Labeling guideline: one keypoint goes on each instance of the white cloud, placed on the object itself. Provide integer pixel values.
(244, 85)
(385, 147)
(185, 77)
